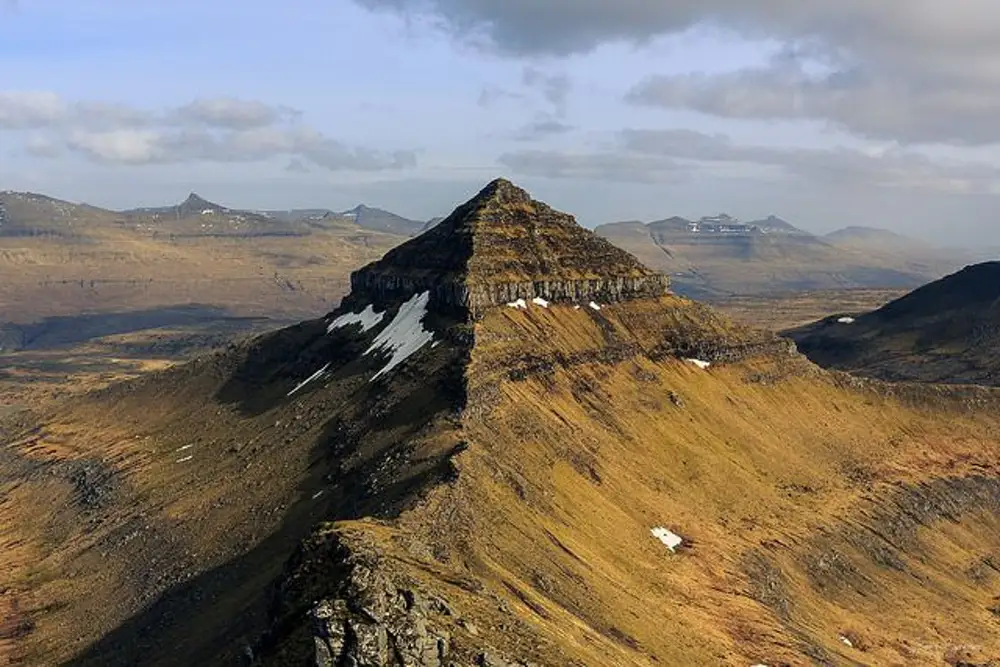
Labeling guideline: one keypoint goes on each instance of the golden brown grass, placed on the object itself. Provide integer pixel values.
(768, 467)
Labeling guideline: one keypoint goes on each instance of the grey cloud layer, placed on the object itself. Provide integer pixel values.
(918, 71)
(212, 129)
(657, 155)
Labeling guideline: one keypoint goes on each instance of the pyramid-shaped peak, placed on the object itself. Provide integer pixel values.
(194, 199)
(195, 205)
(503, 191)
(501, 246)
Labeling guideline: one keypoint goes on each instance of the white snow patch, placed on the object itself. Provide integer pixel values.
(700, 363)
(314, 376)
(846, 642)
(185, 459)
(367, 318)
(405, 334)
(520, 303)
(539, 301)
(184, 448)
(846, 320)
(595, 306)
(670, 539)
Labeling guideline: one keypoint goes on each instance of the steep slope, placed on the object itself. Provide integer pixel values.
(720, 256)
(947, 331)
(595, 473)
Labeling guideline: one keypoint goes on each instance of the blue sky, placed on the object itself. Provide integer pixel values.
(847, 114)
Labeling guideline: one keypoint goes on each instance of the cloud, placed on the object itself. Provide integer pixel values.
(645, 156)
(297, 166)
(542, 128)
(886, 108)
(217, 129)
(555, 88)
(916, 71)
(30, 109)
(233, 113)
(159, 146)
(607, 166)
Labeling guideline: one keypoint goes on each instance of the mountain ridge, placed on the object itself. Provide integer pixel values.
(632, 481)
(945, 331)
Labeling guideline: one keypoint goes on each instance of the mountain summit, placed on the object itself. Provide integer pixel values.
(502, 246)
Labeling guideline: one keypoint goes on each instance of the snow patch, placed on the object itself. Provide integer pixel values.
(314, 376)
(367, 318)
(405, 334)
(700, 363)
(595, 306)
(670, 539)
(520, 303)
(184, 448)
(846, 320)
(185, 459)
(539, 301)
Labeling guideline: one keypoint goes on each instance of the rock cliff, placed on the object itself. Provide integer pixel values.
(502, 246)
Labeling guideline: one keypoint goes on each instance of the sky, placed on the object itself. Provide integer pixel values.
(827, 113)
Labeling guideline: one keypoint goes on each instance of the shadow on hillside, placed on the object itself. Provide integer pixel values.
(53, 332)
(360, 462)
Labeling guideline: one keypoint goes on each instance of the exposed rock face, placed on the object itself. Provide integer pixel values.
(502, 246)
(368, 615)
(386, 626)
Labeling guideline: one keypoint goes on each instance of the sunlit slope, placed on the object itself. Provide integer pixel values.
(817, 512)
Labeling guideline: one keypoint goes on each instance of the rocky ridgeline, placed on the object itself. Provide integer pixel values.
(365, 615)
(476, 298)
(502, 246)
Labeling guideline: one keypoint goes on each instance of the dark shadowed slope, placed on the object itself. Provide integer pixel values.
(947, 331)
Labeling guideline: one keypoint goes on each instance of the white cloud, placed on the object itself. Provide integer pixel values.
(916, 71)
(623, 167)
(644, 156)
(233, 113)
(211, 129)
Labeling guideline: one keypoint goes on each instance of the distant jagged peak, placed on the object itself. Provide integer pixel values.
(195, 204)
(502, 246)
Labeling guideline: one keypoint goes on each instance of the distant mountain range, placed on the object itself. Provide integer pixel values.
(721, 256)
(60, 259)
(366, 217)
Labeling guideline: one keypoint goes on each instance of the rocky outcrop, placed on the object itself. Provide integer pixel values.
(341, 603)
(502, 246)
(377, 624)
(476, 298)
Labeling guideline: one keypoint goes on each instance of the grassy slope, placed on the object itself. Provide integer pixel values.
(770, 469)
(581, 437)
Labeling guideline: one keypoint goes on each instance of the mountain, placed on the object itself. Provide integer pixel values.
(59, 259)
(872, 235)
(366, 217)
(509, 445)
(719, 256)
(383, 221)
(947, 331)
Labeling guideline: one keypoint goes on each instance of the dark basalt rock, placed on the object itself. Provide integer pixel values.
(502, 246)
